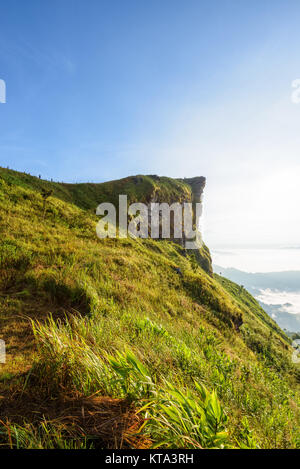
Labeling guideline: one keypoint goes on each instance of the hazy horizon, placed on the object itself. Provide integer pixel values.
(257, 259)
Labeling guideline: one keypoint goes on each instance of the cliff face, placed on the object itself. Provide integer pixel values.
(187, 190)
(193, 194)
(203, 256)
(197, 184)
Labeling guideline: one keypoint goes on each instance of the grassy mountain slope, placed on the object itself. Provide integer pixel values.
(108, 326)
(88, 195)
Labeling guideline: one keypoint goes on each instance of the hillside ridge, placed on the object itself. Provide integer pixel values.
(108, 324)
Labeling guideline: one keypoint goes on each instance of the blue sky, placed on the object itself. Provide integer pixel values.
(98, 90)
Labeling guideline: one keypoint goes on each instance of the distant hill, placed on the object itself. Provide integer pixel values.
(288, 281)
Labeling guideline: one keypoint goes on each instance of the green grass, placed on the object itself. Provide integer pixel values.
(88, 196)
(82, 316)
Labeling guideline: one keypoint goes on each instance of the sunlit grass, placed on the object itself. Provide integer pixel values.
(112, 317)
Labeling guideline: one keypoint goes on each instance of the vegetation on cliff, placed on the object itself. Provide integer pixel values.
(108, 346)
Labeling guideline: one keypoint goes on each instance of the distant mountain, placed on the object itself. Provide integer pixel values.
(284, 319)
(288, 281)
(285, 281)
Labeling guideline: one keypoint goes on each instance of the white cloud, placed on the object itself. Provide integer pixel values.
(290, 301)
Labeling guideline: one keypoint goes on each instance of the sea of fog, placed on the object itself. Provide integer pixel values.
(289, 301)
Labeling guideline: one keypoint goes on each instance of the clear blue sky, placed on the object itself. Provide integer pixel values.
(101, 89)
